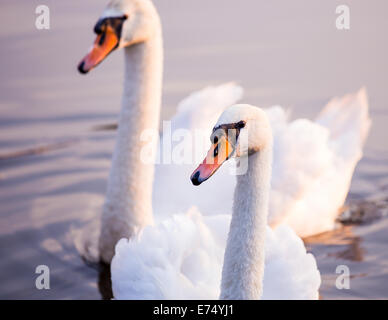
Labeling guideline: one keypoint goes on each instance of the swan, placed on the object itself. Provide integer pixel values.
(318, 167)
(181, 257)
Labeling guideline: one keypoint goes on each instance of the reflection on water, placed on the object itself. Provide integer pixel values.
(86, 240)
(359, 244)
(34, 150)
(347, 245)
(363, 211)
(104, 282)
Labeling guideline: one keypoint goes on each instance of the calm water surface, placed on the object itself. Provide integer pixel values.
(54, 164)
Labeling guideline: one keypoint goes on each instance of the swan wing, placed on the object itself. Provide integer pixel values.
(176, 259)
(290, 272)
(314, 163)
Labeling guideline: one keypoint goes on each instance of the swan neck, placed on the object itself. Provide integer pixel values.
(243, 270)
(128, 204)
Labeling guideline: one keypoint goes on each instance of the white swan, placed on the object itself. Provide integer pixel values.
(327, 166)
(181, 256)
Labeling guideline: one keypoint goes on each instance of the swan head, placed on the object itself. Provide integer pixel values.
(241, 130)
(123, 23)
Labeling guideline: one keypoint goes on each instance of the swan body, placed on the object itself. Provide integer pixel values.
(157, 266)
(181, 257)
(308, 186)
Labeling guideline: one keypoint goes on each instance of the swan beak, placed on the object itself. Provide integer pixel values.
(104, 44)
(216, 156)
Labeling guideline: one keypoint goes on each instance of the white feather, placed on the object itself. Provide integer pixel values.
(182, 256)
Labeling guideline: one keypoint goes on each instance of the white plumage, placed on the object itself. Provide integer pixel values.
(313, 161)
(181, 258)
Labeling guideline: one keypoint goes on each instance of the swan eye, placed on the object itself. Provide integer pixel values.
(102, 38)
(241, 124)
(215, 153)
(215, 139)
(115, 23)
(100, 26)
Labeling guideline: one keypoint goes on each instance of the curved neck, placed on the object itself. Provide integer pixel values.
(128, 205)
(243, 268)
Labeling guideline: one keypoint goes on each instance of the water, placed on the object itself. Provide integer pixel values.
(54, 164)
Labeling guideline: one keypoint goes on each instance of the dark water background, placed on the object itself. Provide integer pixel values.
(54, 165)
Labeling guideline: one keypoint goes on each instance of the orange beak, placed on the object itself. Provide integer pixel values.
(216, 156)
(104, 44)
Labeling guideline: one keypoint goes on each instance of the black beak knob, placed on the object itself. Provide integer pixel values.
(195, 179)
